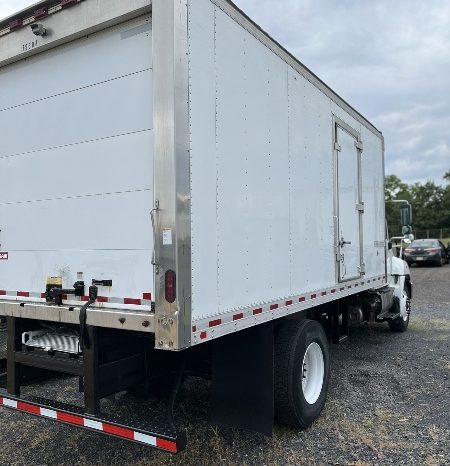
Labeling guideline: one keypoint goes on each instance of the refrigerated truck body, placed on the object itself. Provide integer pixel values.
(176, 187)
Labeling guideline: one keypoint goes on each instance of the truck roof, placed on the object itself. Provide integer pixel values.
(27, 17)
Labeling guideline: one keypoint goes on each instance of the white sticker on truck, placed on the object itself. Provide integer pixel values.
(167, 236)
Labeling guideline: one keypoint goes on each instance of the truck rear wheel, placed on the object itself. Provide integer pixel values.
(301, 373)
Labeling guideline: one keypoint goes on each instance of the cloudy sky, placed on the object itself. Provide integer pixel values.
(388, 59)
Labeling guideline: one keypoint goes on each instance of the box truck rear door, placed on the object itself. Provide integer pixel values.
(76, 161)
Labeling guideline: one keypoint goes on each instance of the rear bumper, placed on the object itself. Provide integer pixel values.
(415, 259)
(121, 319)
(172, 442)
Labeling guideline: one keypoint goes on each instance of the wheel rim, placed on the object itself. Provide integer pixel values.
(313, 372)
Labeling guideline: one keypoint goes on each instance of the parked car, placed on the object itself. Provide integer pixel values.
(430, 251)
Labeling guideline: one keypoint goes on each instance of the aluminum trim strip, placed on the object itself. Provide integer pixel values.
(172, 171)
(120, 319)
(208, 329)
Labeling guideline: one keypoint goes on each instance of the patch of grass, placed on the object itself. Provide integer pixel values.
(435, 433)
(433, 460)
(441, 337)
(422, 325)
(383, 414)
(40, 438)
(367, 422)
(417, 325)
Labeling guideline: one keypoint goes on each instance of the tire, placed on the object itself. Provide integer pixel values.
(300, 396)
(399, 325)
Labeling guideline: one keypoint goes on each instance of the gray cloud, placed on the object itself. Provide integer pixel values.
(389, 59)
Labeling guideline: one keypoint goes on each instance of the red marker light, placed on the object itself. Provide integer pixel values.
(170, 286)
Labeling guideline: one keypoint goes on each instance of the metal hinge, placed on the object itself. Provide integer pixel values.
(339, 257)
(153, 212)
(362, 269)
(359, 145)
(337, 147)
(360, 207)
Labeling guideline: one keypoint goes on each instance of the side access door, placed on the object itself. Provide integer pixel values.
(349, 207)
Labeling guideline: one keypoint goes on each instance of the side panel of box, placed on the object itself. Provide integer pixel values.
(262, 174)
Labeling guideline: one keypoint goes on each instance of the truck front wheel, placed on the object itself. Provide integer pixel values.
(301, 373)
(400, 324)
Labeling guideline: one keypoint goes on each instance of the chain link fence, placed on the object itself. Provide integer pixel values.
(438, 233)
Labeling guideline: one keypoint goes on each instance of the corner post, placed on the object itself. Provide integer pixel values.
(172, 172)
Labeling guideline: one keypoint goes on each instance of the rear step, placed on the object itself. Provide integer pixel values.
(172, 442)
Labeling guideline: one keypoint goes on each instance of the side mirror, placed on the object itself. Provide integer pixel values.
(405, 215)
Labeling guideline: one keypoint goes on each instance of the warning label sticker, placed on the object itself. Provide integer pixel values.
(4, 256)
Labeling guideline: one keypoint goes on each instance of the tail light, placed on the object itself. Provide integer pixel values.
(170, 286)
(432, 250)
(408, 251)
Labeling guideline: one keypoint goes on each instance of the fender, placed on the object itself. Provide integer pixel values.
(400, 276)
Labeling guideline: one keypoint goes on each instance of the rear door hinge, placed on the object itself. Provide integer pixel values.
(337, 147)
(359, 145)
(339, 257)
(360, 207)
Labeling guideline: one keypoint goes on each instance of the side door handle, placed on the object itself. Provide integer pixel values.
(343, 243)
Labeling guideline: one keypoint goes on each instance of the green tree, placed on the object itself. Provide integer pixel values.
(430, 204)
(395, 189)
(446, 202)
(427, 204)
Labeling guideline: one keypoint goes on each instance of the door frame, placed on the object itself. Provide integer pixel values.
(338, 123)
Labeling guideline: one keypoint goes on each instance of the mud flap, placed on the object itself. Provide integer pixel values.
(242, 380)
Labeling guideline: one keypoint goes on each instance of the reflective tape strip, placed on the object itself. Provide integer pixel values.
(22, 406)
(38, 14)
(144, 438)
(99, 426)
(93, 424)
(48, 413)
(9, 403)
(145, 301)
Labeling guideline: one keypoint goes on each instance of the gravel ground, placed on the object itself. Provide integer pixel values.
(388, 403)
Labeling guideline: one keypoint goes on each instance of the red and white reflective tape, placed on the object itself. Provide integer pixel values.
(146, 299)
(40, 13)
(100, 426)
(206, 329)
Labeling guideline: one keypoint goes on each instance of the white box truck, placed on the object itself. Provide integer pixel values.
(180, 195)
